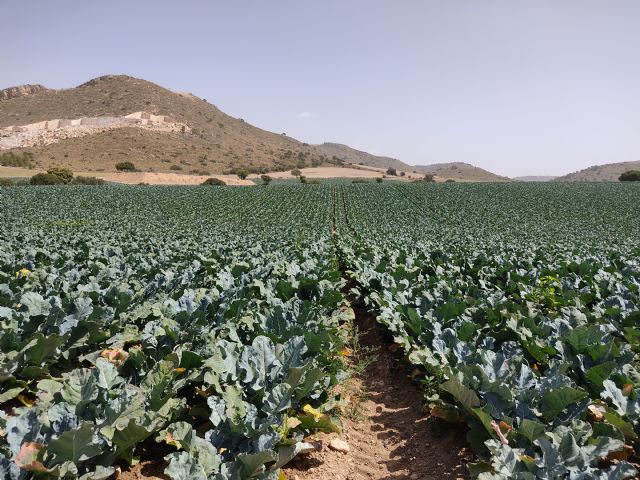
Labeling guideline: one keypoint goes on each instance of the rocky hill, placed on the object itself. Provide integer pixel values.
(357, 157)
(460, 171)
(600, 173)
(20, 91)
(535, 178)
(211, 141)
(118, 118)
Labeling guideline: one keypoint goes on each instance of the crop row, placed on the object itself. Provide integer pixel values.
(204, 320)
(521, 305)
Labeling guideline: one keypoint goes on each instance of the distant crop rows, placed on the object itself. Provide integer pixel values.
(520, 303)
(207, 324)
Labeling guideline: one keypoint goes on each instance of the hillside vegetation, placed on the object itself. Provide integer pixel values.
(609, 172)
(203, 141)
(460, 171)
(217, 143)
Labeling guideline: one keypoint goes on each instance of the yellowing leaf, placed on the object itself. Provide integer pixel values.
(179, 370)
(316, 414)
(27, 457)
(116, 356)
(23, 273)
(172, 441)
(27, 402)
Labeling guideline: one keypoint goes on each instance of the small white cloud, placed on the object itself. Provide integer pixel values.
(304, 115)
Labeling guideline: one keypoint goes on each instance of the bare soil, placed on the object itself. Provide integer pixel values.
(394, 438)
(156, 178)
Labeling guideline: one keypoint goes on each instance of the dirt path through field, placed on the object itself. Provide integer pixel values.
(386, 427)
(388, 433)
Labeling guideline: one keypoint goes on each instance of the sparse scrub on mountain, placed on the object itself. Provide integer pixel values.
(630, 176)
(125, 167)
(16, 159)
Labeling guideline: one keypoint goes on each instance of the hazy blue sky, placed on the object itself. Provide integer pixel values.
(515, 86)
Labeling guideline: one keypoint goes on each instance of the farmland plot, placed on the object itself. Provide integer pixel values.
(205, 322)
(520, 305)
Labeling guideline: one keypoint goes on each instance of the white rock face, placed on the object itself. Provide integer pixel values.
(20, 91)
(52, 131)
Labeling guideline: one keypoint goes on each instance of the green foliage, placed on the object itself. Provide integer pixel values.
(125, 167)
(266, 179)
(46, 179)
(379, 180)
(630, 176)
(242, 174)
(527, 319)
(211, 321)
(392, 171)
(296, 172)
(213, 182)
(13, 159)
(80, 180)
(64, 174)
(166, 325)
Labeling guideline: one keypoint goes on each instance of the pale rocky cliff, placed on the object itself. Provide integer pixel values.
(20, 91)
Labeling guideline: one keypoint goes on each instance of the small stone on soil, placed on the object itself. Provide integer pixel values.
(339, 445)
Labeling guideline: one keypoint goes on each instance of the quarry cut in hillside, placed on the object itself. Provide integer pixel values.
(52, 131)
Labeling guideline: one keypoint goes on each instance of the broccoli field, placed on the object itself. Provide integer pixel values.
(211, 322)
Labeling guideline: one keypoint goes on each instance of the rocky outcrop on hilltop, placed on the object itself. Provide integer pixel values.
(20, 91)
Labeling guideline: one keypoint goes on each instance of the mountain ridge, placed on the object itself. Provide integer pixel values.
(607, 172)
(211, 141)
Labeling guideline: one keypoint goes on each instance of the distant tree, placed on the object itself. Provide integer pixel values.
(451, 180)
(296, 172)
(64, 174)
(428, 177)
(266, 179)
(402, 174)
(630, 176)
(213, 182)
(303, 179)
(125, 167)
(392, 171)
(45, 179)
(242, 174)
(379, 180)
